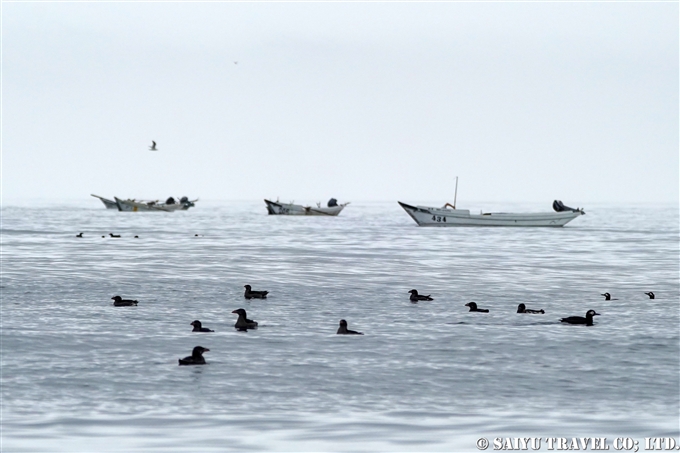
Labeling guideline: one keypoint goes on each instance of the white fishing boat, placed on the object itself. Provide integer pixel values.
(110, 204)
(450, 216)
(278, 208)
(170, 205)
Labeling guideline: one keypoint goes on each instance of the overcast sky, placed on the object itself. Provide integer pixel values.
(360, 101)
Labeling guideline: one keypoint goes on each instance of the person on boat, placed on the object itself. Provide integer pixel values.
(332, 203)
(170, 201)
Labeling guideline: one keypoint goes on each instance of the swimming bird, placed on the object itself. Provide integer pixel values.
(79, 235)
(136, 237)
(199, 328)
(521, 308)
(342, 330)
(650, 294)
(588, 320)
(153, 146)
(114, 235)
(250, 294)
(415, 297)
(120, 302)
(196, 357)
(243, 323)
(473, 307)
(607, 296)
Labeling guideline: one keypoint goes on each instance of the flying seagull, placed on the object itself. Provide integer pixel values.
(153, 146)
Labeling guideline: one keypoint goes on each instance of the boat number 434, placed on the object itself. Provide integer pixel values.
(438, 218)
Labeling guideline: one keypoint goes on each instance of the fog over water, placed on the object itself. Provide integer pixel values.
(362, 101)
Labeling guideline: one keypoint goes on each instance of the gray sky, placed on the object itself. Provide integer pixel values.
(361, 101)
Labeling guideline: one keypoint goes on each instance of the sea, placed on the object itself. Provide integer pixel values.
(80, 375)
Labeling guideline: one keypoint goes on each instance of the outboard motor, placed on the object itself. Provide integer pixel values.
(558, 206)
(170, 201)
(332, 203)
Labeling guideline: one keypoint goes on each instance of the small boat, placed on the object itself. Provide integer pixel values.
(170, 205)
(277, 208)
(448, 215)
(110, 204)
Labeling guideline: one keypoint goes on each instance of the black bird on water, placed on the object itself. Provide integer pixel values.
(415, 297)
(114, 235)
(243, 323)
(153, 146)
(607, 296)
(650, 294)
(250, 294)
(521, 308)
(199, 328)
(79, 235)
(473, 307)
(196, 357)
(342, 330)
(120, 302)
(588, 320)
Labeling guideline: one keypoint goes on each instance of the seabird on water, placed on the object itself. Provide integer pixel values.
(415, 297)
(521, 308)
(196, 357)
(473, 307)
(243, 323)
(588, 320)
(342, 330)
(250, 294)
(199, 328)
(153, 146)
(120, 302)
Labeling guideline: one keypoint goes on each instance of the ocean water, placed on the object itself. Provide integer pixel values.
(78, 374)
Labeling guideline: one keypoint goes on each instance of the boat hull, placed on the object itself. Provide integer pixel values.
(135, 206)
(110, 204)
(442, 217)
(276, 208)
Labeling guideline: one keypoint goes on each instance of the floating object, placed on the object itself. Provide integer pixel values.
(110, 204)
(448, 217)
(153, 146)
(277, 208)
(154, 205)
